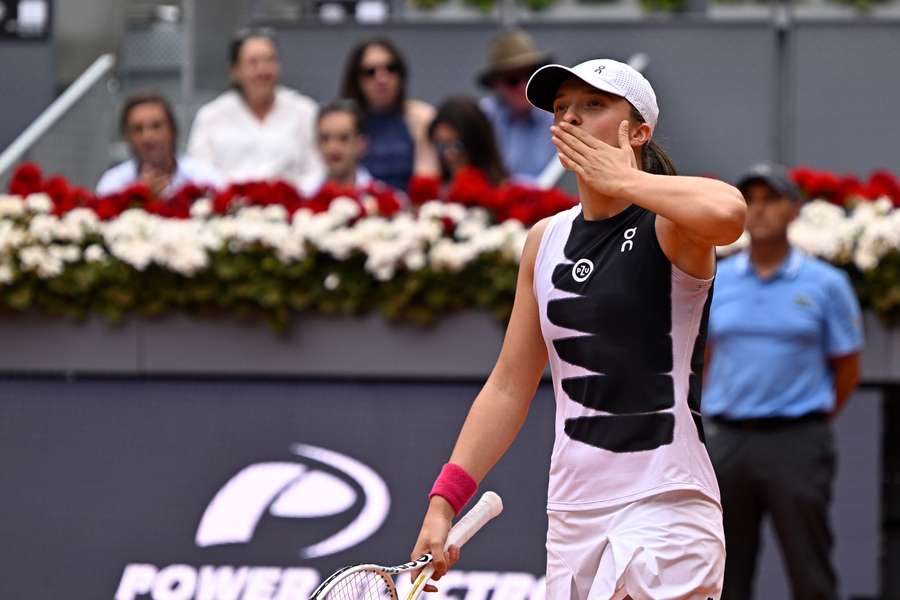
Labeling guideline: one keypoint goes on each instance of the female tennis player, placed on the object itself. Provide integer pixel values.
(615, 292)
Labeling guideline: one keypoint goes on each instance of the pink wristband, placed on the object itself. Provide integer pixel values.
(455, 486)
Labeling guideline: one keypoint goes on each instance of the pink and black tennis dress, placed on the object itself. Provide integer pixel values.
(633, 502)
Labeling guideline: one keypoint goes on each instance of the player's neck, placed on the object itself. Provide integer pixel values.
(597, 206)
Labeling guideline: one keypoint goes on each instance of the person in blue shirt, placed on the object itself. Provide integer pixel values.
(520, 128)
(784, 340)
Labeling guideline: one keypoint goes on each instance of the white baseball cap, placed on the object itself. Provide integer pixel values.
(604, 74)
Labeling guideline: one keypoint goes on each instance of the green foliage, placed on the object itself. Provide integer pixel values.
(256, 284)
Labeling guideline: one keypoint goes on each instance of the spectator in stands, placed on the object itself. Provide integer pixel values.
(259, 130)
(463, 137)
(148, 125)
(784, 339)
(375, 77)
(521, 129)
(341, 145)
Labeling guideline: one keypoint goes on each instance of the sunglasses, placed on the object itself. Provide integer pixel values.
(393, 68)
(455, 145)
(511, 80)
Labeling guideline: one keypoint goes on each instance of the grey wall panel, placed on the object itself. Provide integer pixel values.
(460, 345)
(26, 84)
(846, 90)
(715, 83)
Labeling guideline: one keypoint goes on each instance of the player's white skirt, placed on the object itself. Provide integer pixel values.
(665, 547)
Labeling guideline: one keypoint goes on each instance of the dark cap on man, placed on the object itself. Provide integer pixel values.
(774, 176)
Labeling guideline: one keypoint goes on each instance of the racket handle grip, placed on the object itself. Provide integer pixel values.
(487, 507)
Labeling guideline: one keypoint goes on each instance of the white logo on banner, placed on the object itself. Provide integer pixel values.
(294, 490)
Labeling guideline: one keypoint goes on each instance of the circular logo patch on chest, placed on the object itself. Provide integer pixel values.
(582, 270)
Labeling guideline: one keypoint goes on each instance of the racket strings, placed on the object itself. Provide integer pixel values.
(363, 585)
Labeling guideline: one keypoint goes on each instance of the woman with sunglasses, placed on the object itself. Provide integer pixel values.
(258, 129)
(396, 127)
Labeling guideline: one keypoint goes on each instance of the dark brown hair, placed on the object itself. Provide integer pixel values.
(653, 158)
(242, 36)
(148, 98)
(342, 105)
(350, 87)
(476, 134)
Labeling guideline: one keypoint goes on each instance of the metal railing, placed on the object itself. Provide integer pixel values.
(79, 88)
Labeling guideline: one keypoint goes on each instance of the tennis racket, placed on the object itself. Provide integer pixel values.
(376, 582)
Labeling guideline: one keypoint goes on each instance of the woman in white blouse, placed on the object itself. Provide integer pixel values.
(258, 130)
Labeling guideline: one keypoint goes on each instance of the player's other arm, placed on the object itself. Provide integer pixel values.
(499, 410)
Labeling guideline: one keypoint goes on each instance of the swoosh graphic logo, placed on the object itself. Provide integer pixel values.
(295, 490)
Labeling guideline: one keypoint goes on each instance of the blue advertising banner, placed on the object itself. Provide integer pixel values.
(210, 490)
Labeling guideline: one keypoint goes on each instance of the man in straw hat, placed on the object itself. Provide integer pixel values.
(521, 129)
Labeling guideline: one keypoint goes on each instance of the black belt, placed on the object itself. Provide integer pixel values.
(771, 422)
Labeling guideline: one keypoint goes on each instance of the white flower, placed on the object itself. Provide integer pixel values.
(137, 253)
(275, 212)
(201, 208)
(385, 273)
(94, 253)
(38, 203)
(43, 228)
(332, 281)
(344, 209)
(37, 258)
(6, 273)
(66, 253)
(11, 206)
(415, 260)
(11, 237)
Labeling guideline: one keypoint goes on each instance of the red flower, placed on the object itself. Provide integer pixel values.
(848, 187)
(26, 180)
(385, 198)
(423, 188)
(109, 207)
(469, 187)
(222, 201)
(57, 188)
(883, 184)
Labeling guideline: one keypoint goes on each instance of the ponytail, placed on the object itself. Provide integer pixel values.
(653, 158)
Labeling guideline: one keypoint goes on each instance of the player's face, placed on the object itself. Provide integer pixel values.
(596, 112)
(149, 135)
(340, 145)
(379, 77)
(449, 147)
(257, 69)
(768, 212)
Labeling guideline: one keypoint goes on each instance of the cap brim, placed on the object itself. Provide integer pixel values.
(784, 188)
(543, 85)
(487, 75)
